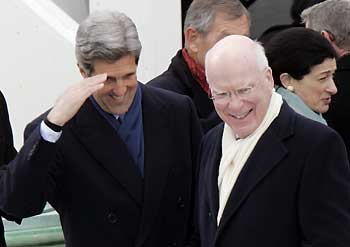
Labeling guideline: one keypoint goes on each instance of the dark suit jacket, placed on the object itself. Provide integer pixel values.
(294, 190)
(338, 115)
(96, 188)
(178, 78)
(7, 150)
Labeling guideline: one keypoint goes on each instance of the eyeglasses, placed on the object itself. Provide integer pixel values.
(225, 97)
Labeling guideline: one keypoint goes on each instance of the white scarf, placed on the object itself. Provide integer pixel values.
(236, 152)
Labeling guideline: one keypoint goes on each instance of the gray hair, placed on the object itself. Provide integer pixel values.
(201, 13)
(332, 16)
(106, 35)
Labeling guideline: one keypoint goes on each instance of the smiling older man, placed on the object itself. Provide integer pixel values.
(268, 176)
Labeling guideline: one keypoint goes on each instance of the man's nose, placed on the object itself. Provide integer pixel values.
(235, 103)
(119, 89)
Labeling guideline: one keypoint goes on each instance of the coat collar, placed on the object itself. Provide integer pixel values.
(98, 137)
(212, 172)
(258, 165)
(178, 64)
(299, 106)
(105, 145)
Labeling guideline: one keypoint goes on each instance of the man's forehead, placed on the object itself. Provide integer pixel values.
(235, 75)
(235, 81)
(235, 69)
(233, 56)
(226, 25)
(125, 64)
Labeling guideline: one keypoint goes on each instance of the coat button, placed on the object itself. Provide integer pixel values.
(209, 214)
(180, 202)
(174, 244)
(112, 218)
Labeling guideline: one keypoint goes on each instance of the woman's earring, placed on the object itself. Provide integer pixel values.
(290, 88)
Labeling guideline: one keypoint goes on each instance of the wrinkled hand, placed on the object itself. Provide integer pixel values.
(68, 104)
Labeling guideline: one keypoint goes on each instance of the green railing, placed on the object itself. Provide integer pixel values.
(51, 236)
(38, 231)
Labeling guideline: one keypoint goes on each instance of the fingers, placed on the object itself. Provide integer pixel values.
(68, 104)
(96, 79)
(89, 85)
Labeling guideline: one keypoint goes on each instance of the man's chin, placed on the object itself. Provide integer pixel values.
(242, 132)
(119, 111)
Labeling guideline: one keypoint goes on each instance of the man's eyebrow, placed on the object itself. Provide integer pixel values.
(217, 91)
(129, 74)
(115, 78)
(111, 78)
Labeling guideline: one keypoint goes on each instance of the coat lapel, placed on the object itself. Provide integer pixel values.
(158, 158)
(212, 172)
(266, 155)
(108, 149)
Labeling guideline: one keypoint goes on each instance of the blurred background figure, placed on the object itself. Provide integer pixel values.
(303, 63)
(297, 7)
(331, 18)
(7, 150)
(206, 22)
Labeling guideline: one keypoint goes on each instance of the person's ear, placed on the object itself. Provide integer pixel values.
(82, 72)
(192, 37)
(286, 81)
(269, 76)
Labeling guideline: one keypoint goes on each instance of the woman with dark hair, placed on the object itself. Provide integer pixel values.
(7, 150)
(303, 64)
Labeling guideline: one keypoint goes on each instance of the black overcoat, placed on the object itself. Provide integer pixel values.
(95, 186)
(178, 78)
(293, 191)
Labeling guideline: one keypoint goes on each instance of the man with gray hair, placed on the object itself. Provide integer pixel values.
(331, 18)
(114, 157)
(268, 176)
(206, 22)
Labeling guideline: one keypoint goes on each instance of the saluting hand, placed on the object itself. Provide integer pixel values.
(68, 104)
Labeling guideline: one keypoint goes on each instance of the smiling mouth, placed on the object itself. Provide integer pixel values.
(241, 116)
(116, 97)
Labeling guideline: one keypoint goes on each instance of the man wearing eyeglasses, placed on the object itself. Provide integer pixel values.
(268, 176)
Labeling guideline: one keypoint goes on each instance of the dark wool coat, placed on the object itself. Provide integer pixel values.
(178, 78)
(293, 191)
(94, 185)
